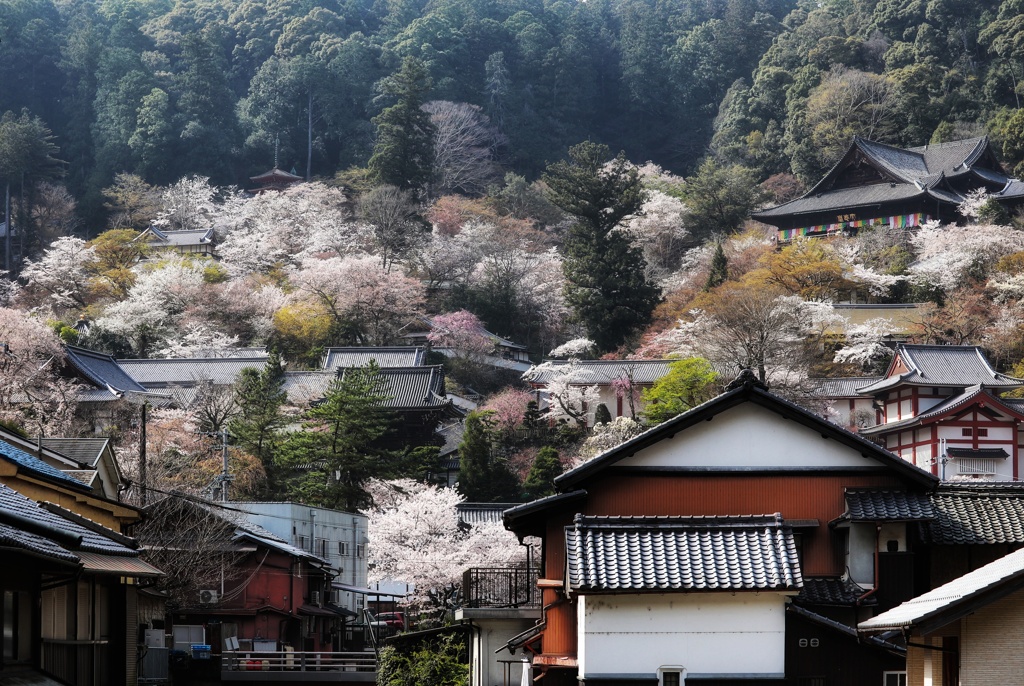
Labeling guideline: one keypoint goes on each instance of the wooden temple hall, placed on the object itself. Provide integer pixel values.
(874, 184)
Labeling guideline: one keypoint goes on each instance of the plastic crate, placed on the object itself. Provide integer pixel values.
(200, 651)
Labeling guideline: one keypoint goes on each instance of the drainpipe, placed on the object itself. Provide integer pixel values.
(878, 539)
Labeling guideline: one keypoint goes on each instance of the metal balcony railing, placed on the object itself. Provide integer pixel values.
(500, 587)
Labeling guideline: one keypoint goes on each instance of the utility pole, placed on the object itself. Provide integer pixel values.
(225, 475)
(142, 456)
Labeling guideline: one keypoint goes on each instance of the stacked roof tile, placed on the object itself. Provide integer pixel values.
(863, 505)
(34, 464)
(980, 514)
(959, 366)
(630, 554)
(395, 356)
(833, 592)
(176, 371)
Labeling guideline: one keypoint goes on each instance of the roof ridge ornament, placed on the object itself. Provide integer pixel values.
(746, 379)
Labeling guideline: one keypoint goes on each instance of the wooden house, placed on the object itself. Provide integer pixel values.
(739, 542)
(69, 582)
(875, 185)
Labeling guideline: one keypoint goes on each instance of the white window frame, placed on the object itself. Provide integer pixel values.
(896, 673)
(671, 669)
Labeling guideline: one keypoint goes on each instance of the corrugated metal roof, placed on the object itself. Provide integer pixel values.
(944, 365)
(32, 463)
(394, 356)
(609, 554)
(948, 596)
(601, 372)
(100, 369)
(872, 505)
(161, 372)
(122, 566)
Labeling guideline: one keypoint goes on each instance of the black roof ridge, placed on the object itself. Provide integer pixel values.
(194, 359)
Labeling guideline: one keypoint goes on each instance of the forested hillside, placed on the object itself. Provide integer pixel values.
(164, 88)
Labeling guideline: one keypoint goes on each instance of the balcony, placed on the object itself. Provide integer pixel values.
(298, 667)
(500, 588)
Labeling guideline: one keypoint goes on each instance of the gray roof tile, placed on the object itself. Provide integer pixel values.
(832, 592)
(969, 514)
(842, 387)
(945, 365)
(100, 369)
(609, 554)
(82, 450)
(394, 356)
(481, 513)
(177, 371)
(406, 388)
(602, 371)
(864, 505)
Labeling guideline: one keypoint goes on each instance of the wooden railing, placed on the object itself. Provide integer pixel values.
(500, 587)
(295, 661)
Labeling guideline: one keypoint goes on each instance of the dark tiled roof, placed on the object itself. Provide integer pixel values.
(879, 506)
(406, 388)
(32, 463)
(178, 371)
(1014, 189)
(602, 371)
(845, 197)
(180, 237)
(945, 365)
(833, 592)
(989, 453)
(841, 387)
(102, 370)
(452, 434)
(83, 450)
(93, 539)
(976, 514)
(609, 554)
(395, 356)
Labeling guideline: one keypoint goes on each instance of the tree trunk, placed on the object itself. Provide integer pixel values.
(7, 229)
(309, 133)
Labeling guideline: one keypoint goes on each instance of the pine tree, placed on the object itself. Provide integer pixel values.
(605, 274)
(403, 155)
(602, 415)
(719, 272)
(339, 450)
(260, 394)
(541, 479)
(483, 476)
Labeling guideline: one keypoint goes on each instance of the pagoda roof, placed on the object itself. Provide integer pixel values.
(275, 175)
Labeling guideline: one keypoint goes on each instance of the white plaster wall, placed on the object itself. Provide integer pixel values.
(706, 633)
(860, 555)
(493, 634)
(748, 436)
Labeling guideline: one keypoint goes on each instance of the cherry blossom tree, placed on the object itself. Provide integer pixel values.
(864, 343)
(577, 347)
(607, 436)
(415, 536)
(188, 203)
(661, 233)
(509, 408)
(32, 393)
(950, 255)
(568, 393)
(369, 305)
(391, 214)
(63, 272)
(462, 332)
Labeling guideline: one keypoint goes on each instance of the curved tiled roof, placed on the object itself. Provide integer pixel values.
(872, 505)
(976, 515)
(34, 464)
(944, 365)
(100, 369)
(630, 554)
(394, 356)
(832, 591)
(161, 372)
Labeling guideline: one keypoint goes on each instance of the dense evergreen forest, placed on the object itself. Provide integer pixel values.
(164, 88)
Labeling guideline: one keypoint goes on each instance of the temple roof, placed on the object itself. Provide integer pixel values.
(393, 356)
(959, 366)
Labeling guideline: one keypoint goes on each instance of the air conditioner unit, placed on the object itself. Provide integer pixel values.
(208, 597)
(315, 597)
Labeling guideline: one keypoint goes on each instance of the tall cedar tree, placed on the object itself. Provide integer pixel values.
(403, 155)
(605, 274)
(260, 394)
(483, 476)
(541, 479)
(339, 450)
(719, 272)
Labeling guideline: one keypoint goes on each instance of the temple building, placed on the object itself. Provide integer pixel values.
(875, 184)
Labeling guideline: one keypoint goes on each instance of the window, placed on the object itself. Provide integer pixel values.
(966, 432)
(670, 679)
(323, 547)
(894, 679)
(342, 548)
(359, 550)
(983, 432)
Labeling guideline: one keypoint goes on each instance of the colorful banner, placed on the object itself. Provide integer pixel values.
(901, 221)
